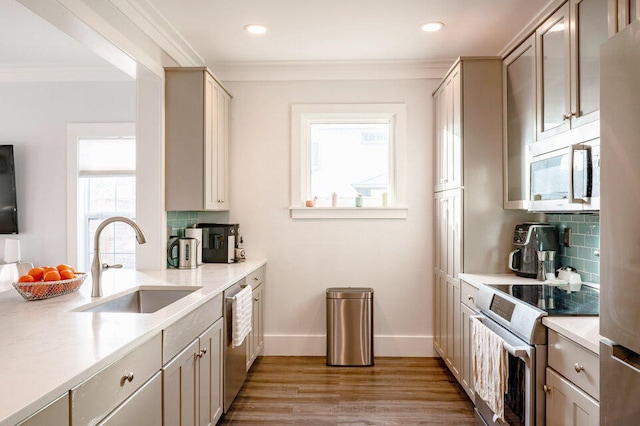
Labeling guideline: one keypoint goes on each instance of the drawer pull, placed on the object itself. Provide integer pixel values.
(255, 299)
(470, 298)
(256, 278)
(127, 378)
(578, 367)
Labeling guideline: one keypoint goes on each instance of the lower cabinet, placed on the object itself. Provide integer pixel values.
(255, 339)
(95, 399)
(567, 404)
(141, 408)
(572, 383)
(467, 311)
(192, 381)
(54, 414)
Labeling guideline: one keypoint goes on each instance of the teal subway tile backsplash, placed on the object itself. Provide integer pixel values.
(179, 220)
(585, 240)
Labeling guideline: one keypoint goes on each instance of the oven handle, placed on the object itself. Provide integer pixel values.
(516, 351)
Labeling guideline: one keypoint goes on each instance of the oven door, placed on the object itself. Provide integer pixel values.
(520, 400)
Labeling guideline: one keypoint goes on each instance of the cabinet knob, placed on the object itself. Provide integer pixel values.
(578, 367)
(201, 353)
(470, 298)
(127, 378)
(255, 299)
(546, 388)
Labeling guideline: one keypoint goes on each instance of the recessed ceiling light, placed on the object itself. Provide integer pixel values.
(255, 29)
(431, 27)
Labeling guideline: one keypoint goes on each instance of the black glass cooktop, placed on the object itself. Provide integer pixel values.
(555, 300)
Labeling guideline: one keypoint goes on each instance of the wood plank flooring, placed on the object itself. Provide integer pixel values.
(304, 390)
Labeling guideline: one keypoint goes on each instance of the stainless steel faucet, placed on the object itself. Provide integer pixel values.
(97, 266)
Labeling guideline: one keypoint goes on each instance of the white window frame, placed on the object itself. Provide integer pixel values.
(302, 115)
(75, 132)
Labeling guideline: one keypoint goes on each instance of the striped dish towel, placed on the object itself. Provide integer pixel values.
(242, 305)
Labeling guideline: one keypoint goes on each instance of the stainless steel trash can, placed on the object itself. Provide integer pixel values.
(349, 326)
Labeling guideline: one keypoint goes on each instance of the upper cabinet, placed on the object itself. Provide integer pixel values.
(568, 66)
(621, 14)
(518, 79)
(196, 141)
(448, 116)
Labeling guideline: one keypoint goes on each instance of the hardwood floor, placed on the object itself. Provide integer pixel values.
(304, 390)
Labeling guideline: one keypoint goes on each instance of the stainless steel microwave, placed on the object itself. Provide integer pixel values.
(567, 179)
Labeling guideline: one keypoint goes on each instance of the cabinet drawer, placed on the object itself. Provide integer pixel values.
(182, 332)
(100, 394)
(143, 407)
(256, 278)
(469, 295)
(54, 414)
(578, 364)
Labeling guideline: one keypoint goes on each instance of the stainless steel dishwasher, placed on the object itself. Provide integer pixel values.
(235, 359)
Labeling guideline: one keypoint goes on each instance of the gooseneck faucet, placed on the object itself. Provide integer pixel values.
(97, 266)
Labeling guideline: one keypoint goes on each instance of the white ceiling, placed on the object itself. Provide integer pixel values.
(298, 30)
(346, 30)
(32, 49)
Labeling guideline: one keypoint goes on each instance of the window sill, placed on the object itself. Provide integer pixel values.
(349, 212)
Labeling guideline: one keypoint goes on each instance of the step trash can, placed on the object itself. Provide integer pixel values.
(349, 326)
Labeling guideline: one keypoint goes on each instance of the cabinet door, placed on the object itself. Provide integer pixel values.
(466, 366)
(588, 31)
(143, 408)
(210, 374)
(568, 405)
(453, 232)
(440, 131)
(454, 126)
(259, 324)
(216, 145)
(54, 414)
(179, 383)
(519, 122)
(440, 321)
(453, 350)
(554, 74)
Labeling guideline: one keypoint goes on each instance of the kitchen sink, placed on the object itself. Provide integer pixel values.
(143, 300)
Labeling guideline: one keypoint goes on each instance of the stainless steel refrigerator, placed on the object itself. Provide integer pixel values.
(620, 228)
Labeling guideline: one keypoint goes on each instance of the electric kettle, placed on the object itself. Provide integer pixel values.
(186, 256)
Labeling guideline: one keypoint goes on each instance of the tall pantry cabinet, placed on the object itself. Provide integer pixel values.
(472, 231)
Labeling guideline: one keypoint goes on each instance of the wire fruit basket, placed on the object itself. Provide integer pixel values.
(46, 289)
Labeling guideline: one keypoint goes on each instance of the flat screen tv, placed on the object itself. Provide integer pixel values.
(8, 200)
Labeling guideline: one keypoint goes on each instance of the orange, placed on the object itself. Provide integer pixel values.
(67, 274)
(36, 273)
(39, 290)
(63, 267)
(49, 268)
(53, 275)
(26, 279)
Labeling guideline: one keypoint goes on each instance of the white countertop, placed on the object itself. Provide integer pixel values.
(477, 279)
(45, 349)
(582, 330)
(585, 331)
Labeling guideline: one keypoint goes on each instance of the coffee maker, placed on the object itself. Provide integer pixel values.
(219, 242)
(528, 239)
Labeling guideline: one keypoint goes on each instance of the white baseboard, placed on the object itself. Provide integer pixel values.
(315, 345)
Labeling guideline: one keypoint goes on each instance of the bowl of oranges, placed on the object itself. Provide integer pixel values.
(45, 282)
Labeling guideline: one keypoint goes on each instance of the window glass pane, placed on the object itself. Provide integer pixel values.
(107, 154)
(111, 196)
(349, 159)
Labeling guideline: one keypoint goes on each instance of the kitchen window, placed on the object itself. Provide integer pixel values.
(102, 183)
(348, 160)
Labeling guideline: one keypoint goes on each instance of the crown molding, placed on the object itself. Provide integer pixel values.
(331, 70)
(33, 74)
(149, 20)
(532, 25)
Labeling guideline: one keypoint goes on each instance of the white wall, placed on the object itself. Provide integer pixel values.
(394, 257)
(34, 117)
